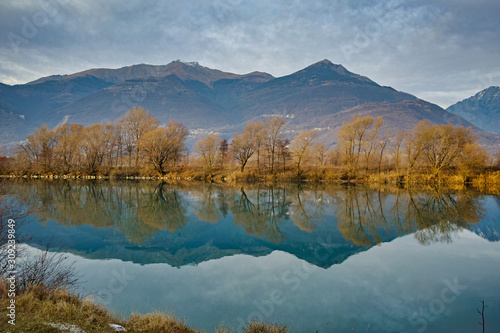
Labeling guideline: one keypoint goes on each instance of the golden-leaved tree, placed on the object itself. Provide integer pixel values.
(67, 147)
(443, 144)
(208, 149)
(96, 143)
(38, 150)
(164, 145)
(274, 137)
(301, 145)
(353, 139)
(245, 144)
(136, 123)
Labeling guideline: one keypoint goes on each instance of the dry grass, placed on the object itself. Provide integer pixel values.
(38, 306)
(156, 322)
(329, 173)
(42, 309)
(257, 327)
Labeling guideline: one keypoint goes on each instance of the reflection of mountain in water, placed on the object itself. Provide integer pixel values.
(190, 223)
(489, 227)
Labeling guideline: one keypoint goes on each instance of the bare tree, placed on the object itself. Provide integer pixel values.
(135, 124)
(66, 149)
(223, 150)
(319, 154)
(244, 145)
(371, 143)
(208, 149)
(382, 143)
(396, 150)
(472, 160)
(283, 152)
(274, 134)
(51, 269)
(39, 149)
(442, 144)
(481, 312)
(163, 145)
(258, 131)
(352, 140)
(414, 145)
(96, 142)
(126, 140)
(301, 144)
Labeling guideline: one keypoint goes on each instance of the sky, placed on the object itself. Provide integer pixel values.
(440, 51)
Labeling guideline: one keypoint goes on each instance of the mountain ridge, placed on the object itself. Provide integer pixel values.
(213, 101)
(183, 70)
(482, 109)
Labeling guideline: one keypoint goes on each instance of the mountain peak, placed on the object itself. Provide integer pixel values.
(193, 71)
(482, 109)
(493, 91)
(327, 64)
(325, 70)
(188, 63)
(324, 62)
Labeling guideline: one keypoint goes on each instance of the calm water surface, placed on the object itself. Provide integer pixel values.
(325, 258)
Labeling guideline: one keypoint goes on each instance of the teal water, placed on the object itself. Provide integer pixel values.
(325, 258)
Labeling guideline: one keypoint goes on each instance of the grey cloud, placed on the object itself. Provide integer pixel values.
(428, 48)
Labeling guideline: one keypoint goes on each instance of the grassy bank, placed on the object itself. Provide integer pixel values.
(41, 309)
(328, 175)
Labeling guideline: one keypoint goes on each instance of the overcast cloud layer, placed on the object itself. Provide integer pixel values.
(441, 51)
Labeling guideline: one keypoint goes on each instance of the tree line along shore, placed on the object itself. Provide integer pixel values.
(136, 146)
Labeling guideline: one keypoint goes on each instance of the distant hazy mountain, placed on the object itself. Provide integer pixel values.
(322, 96)
(398, 116)
(482, 109)
(13, 124)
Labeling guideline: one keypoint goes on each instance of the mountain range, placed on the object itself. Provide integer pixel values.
(321, 96)
(482, 109)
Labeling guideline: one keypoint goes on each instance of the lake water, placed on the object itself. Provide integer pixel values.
(323, 257)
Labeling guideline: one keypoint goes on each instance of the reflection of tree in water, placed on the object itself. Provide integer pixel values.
(207, 209)
(361, 215)
(262, 212)
(140, 209)
(105, 205)
(435, 215)
(224, 200)
(307, 208)
(69, 204)
(162, 208)
(439, 214)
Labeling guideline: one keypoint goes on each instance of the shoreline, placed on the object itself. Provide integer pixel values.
(491, 178)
